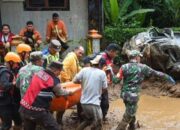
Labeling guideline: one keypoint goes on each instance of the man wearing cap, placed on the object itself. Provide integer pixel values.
(133, 73)
(36, 101)
(25, 73)
(52, 52)
(94, 82)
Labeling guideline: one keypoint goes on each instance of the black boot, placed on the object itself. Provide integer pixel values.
(132, 125)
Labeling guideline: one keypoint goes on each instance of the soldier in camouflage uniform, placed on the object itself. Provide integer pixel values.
(133, 73)
(25, 73)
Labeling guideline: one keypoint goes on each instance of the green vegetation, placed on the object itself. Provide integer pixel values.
(126, 18)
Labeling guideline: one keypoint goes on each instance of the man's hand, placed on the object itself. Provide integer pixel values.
(6, 45)
(115, 80)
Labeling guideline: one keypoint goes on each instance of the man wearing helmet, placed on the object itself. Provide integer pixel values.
(52, 52)
(133, 73)
(7, 83)
(23, 50)
(25, 73)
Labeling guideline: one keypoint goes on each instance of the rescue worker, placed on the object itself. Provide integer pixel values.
(51, 53)
(109, 54)
(56, 29)
(93, 81)
(71, 64)
(71, 67)
(31, 36)
(7, 84)
(23, 50)
(25, 73)
(133, 73)
(5, 41)
(36, 101)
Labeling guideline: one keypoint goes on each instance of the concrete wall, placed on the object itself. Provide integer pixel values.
(76, 19)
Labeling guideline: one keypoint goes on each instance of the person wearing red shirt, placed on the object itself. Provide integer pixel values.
(5, 41)
(109, 54)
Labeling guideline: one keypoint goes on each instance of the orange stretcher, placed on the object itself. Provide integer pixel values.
(62, 103)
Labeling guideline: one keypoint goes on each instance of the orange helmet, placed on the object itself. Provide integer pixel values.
(12, 56)
(23, 48)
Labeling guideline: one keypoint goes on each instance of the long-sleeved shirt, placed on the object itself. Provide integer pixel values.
(53, 30)
(70, 67)
(43, 87)
(133, 74)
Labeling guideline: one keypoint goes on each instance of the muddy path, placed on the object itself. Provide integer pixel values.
(157, 108)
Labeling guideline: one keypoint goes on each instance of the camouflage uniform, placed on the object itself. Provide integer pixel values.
(133, 74)
(25, 75)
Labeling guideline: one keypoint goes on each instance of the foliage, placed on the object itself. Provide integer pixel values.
(120, 35)
(118, 11)
(166, 12)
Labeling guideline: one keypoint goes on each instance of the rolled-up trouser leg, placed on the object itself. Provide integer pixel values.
(93, 115)
(104, 103)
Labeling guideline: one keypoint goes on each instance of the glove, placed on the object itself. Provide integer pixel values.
(115, 80)
(171, 80)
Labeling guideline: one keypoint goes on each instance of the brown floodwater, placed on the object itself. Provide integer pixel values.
(154, 113)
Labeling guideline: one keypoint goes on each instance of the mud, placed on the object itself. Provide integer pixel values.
(158, 109)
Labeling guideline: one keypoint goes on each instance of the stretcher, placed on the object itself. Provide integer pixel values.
(62, 103)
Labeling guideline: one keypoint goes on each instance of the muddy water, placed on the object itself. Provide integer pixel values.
(154, 113)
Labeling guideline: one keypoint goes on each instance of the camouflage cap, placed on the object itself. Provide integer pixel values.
(36, 55)
(134, 53)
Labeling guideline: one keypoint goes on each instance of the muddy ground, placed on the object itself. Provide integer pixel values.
(158, 108)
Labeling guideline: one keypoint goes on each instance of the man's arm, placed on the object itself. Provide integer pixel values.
(148, 72)
(59, 91)
(104, 82)
(67, 69)
(4, 81)
(78, 78)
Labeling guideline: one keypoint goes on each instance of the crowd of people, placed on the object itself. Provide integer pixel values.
(29, 79)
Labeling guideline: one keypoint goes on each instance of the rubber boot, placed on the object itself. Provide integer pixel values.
(132, 125)
(83, 125)
(122, 125)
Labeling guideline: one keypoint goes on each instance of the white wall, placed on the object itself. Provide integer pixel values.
(13, 13)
